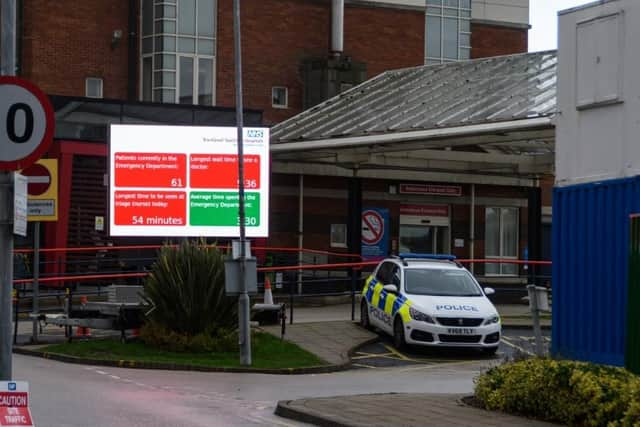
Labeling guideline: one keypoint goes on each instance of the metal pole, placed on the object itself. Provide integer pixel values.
(8, 40)
(7, 68)
(535, 316)
(36, 278)
(472, 227)
(300, 228)
(243, 300)
(6, 270)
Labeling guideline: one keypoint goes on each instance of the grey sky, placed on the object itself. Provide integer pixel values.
(543, 17)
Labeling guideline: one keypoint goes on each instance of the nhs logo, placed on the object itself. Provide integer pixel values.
(255, 133)
(12, 386)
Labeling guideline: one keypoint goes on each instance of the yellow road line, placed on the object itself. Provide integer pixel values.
(363, 366)
(510, 344)
(372, 355)
(438, 365)
(396, 352)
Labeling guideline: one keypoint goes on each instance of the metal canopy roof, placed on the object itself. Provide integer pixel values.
(487, 119)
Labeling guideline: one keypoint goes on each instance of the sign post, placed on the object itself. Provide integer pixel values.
(42, 205)
(26, 131)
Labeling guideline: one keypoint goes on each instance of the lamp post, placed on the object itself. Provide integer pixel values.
(7, 68)
(244, 335)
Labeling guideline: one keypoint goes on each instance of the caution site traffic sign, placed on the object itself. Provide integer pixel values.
(14, 404)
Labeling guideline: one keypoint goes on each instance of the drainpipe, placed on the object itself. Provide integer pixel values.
(300, 228)
(132, 52)
(337, 27)
(472, 226)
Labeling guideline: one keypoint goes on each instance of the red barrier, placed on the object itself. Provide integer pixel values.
(354, 265)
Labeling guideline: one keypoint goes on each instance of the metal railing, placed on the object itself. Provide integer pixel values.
(327, 274)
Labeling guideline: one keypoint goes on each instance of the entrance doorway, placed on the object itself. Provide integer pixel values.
(428, 239)
(424, 229)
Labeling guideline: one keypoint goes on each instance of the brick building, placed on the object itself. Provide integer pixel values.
(105, 61)
(105, 49)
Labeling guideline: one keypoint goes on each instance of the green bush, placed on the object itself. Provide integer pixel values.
(568, 392)
(185, 289)
(219, 341)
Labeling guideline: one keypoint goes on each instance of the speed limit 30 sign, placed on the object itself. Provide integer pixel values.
(26, 123)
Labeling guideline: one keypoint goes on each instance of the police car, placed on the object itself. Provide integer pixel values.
(430, 300)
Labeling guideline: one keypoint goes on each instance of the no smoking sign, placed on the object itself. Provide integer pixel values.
(372, 227)
(26, 123)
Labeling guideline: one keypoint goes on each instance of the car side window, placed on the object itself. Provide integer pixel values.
(395, 276)
(383, 273)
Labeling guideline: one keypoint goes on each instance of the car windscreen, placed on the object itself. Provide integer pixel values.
(440, 282)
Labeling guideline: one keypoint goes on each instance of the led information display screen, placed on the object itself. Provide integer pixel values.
(183, 181)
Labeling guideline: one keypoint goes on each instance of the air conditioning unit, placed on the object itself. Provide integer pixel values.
(325, 78)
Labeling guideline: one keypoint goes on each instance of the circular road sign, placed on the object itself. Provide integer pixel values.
(26, 123)
(372, 227)
(39, 179)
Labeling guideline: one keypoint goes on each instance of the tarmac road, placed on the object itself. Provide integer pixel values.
(67, 395)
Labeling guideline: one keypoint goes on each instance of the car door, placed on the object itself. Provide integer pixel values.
(375, 314)
(394, 277)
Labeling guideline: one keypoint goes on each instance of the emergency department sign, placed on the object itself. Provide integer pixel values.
(183, 181)
(42, 189)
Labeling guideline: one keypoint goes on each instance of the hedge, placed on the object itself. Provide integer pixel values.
(562, 391)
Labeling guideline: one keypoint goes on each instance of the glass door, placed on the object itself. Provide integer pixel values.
(428, 239)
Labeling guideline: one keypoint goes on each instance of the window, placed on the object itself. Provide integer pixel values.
(279, 97)
(178, 51)
(501, 239)
(448, 31)
(93, 87)
(338, 235)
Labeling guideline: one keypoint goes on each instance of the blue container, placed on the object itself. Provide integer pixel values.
(590, 262)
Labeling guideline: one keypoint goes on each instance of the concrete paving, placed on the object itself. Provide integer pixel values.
(331, 341)
(402, 409)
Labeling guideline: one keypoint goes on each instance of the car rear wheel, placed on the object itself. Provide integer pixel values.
(398, 334)
(364, 315)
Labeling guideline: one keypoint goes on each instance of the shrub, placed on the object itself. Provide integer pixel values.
(219, 341)
(573, 393)
(185, 289)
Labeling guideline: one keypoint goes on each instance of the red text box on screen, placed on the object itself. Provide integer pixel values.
(221, 171)
(168, 170)
(150, 208)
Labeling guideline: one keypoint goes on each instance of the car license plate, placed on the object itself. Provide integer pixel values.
(460, 331)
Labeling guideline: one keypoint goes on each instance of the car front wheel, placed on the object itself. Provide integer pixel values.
(398, 334)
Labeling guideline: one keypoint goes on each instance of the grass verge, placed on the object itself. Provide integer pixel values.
(268, 352)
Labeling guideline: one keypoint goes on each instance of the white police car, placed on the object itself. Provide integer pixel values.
(430, 300)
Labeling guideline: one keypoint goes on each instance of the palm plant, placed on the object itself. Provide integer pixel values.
(186, 291)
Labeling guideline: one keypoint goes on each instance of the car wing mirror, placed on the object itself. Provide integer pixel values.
(391, 288)
(489, 291)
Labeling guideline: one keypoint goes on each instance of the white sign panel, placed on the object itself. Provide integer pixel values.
(183, 181)
(20, 204)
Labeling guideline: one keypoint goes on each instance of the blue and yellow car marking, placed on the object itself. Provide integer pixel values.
(386, 302)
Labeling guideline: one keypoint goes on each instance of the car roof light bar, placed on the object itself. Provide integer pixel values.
(407, 255)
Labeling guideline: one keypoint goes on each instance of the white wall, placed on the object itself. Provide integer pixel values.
(512, 11)
(598, 129)
(508, 11)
